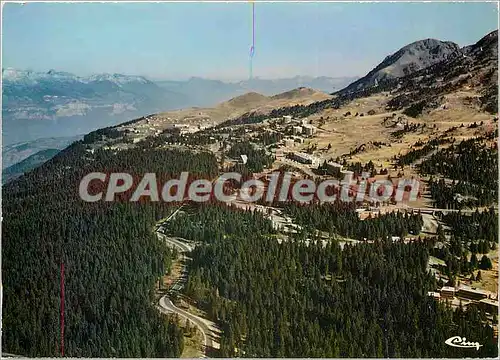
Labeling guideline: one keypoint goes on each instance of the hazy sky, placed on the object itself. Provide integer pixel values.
(174, 41)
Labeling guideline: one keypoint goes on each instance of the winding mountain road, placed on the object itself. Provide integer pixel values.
(165, 305)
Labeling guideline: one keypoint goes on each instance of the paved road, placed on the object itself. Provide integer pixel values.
(277, 217)
(167, 306)
(463, 211)
(174, 213)
(175, 242)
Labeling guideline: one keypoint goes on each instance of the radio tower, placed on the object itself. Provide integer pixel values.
(252, 48)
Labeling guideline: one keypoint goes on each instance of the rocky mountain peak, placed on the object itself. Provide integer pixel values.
(409, 59)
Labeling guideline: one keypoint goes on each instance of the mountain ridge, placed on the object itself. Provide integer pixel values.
(408, 59)
(11, 74)
(59, 103)
(473, 68)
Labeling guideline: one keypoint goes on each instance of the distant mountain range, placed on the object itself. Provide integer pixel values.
(205, 92)
(53, 103)
(38, 105)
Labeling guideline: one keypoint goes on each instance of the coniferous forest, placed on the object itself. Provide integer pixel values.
(298, 299)
(110, 254)
(471, 172)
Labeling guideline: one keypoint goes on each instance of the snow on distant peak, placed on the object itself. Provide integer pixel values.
(61, 74)
(28, 76)
(117, 79)
(12, 74)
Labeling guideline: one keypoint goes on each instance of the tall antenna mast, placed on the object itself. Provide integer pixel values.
(252, 48)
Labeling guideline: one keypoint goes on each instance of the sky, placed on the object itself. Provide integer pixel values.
(212, 40)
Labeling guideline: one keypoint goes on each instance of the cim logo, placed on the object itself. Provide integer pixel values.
(461, 342)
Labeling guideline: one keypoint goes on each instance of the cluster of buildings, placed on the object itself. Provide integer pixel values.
(467, 295)
(306, 129)
(303, 129)
(185, 128)
(298, 127)
(154, 124)
(146, 128)
(290, 142)
(304, 158)
(331, 168)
